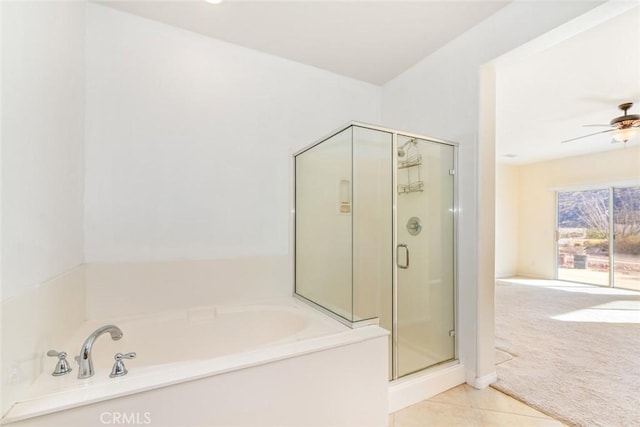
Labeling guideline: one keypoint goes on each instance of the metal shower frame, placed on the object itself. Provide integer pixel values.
(366, 322)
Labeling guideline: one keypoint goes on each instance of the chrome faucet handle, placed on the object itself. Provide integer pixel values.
(119, 369)
(62, 367)
(120, 356)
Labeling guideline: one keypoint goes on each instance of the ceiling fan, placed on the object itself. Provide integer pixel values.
(624, 127)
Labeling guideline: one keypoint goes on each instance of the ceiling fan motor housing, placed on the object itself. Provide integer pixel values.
(627, 120)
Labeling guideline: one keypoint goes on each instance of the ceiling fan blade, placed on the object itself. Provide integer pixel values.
(589, 126)
(585, 136)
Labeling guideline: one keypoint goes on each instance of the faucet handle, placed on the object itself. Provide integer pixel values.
(119, 369)
(62, 367)
(120, 356)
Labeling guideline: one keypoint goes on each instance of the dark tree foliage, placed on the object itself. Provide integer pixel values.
(590, 209)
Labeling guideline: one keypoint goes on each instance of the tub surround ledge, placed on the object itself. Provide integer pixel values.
(34, 322)
(61, 397)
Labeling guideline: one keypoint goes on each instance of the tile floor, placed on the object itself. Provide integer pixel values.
(464, 406)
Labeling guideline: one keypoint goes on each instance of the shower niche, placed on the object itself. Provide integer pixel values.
(374, 232)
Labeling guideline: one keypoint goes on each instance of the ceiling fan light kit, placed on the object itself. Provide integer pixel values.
(624, 128)
(624, 135)
(627, 124)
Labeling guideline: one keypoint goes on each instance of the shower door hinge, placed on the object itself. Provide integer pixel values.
(452, 333)
(452, 171)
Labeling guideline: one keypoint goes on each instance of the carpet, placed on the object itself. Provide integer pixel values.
(570, 350)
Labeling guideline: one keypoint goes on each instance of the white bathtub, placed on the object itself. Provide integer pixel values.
(276, 363)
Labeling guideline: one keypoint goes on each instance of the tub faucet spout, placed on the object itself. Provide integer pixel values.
(85, 365)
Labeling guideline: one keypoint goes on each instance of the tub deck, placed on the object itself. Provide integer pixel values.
(180, 347)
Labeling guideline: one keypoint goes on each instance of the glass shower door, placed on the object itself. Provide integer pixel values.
(424, 255)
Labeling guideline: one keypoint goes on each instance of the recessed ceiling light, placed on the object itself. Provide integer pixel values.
(214, 1)
(511, 156)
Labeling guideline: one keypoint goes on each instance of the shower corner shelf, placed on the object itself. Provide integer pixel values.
(410, 188)
(410, 162)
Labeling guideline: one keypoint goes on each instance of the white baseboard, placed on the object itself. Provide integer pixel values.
(411, 390)
(485, 381)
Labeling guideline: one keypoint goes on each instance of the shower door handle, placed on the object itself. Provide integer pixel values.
(405, 266)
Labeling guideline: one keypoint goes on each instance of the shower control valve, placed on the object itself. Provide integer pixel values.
(62, 367)
(119, 369)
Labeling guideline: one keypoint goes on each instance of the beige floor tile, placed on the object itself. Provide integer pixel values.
(435, 414)
(455, 396)
(502, 419)
(464, 406)
(492, 399)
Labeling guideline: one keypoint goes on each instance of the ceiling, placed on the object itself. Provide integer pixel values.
(549, 96)
(372, 41)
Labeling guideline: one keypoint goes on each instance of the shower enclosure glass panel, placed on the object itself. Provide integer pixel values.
(372, 224)
(425, 254)
(323, 224)
(344, 224)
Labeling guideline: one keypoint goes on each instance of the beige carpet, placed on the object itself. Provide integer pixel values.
(570, 350)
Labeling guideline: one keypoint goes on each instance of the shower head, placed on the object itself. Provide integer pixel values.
(401, 152)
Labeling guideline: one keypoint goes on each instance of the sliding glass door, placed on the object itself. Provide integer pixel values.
(597, 229)
(583, 236)
(626, 232)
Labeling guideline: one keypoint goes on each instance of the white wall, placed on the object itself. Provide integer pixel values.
(507, 191)
(1, 67)
(189, 140)
(440, 97)
(42, 184)
(42, 141)
(538, 183)
(188, 151)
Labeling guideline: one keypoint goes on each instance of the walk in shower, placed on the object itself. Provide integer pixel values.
(375, 233)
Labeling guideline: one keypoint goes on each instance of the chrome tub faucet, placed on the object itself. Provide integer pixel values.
(85, 365)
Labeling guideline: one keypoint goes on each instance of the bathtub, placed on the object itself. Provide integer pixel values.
(271, 363)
